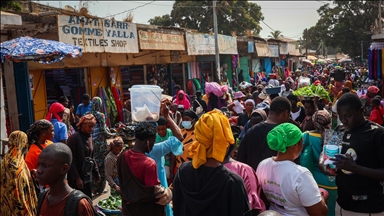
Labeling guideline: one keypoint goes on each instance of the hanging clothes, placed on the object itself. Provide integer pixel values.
(118, 102)
(114, 112)
(378, 67)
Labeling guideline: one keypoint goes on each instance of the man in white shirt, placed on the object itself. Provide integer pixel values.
(273, 80)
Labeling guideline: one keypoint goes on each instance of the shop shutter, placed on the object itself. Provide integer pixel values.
(39, 94)
(99, 77)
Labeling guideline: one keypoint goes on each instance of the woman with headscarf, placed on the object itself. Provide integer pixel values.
(188, 132)
(182, 99)
(83, 168)
(289, 188)
(348, 84)
(314, 139)
(204, 186)
(18, 193)
(246, 115)
(39, 135)
(55, 116)
(214, 93)
(99, 135)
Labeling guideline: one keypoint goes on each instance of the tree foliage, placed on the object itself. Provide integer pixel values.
(275, 34)
(232, 16)
(343, 25)
(11, 5)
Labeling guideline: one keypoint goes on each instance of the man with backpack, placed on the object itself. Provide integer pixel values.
(61, 200)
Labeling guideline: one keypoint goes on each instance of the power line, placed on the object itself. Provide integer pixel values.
(126, 11)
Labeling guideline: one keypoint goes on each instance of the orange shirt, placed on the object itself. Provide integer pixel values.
(47, 209)
(33, 154)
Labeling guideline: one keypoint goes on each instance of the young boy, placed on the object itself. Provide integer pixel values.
(54, 163)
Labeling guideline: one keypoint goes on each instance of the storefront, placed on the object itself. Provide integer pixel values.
(263, 54)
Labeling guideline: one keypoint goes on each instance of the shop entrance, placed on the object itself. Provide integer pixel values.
(65, 82)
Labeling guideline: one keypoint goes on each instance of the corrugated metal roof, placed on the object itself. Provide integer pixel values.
(262, 50)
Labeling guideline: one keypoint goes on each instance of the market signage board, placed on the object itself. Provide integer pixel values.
(204, 44)
(160, 41)
(274, 50)
(251, 46)
(96, 35)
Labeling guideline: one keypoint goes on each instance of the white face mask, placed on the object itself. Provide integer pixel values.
(186, 124)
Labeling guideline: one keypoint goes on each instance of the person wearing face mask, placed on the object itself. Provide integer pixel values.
(187, 131)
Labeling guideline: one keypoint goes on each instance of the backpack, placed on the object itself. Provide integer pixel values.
(72, 203)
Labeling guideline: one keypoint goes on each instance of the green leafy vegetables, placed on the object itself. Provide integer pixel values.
(312, 91)
(111, 203)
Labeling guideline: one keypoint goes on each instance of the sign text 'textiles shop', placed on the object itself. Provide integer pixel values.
(98, 35)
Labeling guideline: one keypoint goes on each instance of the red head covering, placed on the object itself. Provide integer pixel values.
(54, 110)
(373, 89)
(317, 82)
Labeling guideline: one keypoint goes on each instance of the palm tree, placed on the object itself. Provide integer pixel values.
(275, 34)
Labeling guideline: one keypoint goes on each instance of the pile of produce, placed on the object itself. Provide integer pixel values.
(111, 203)
(312, 91)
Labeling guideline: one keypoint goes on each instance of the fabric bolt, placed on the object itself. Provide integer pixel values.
(159, 150)
(370, 68)
(378, 68)
(251, 183)
(17, 189)
(60, 129)
(119, 104)
(99, 135)
(114, 113)
(382, 63)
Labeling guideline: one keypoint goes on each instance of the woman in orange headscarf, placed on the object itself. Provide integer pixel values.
(349, 85)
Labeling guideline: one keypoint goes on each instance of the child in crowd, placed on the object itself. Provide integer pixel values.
(376, 114)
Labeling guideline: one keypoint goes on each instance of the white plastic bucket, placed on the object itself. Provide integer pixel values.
(145, 102)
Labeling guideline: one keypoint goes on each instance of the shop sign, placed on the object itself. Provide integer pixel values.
(160, 41)
(98, 35)
(284, 48)
(274, 50)
(204, 44)
(227, 44)
(251, 46)
(200, 44)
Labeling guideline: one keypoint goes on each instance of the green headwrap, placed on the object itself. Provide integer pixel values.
(283, 136)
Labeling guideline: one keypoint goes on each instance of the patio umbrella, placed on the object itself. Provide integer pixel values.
(39, 50)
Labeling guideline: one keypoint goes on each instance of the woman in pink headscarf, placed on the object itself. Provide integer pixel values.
(182, 99)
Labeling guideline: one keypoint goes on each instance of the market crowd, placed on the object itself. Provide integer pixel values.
(255, 149)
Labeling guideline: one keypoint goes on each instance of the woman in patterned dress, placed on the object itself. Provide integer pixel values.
(99, 135)
(18, 193)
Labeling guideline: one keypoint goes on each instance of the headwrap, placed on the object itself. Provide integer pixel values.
(54, 109)
(283, 136)
(190, 113)
(86, 119)
(373, 89)
(213, 134)
(260, 112)
(96, 105)
(36, 128)
(118, 141)
(348, 84)
(185, 102)
(321, 120)
(238, 94)
(215, 88)
(17, 190)
(249, 101)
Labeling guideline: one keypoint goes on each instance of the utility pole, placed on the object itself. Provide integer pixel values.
(362, 52)
(379, 19)
(306, 43)
(217, 56)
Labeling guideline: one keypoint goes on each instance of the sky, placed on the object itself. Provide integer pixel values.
(289, 17)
